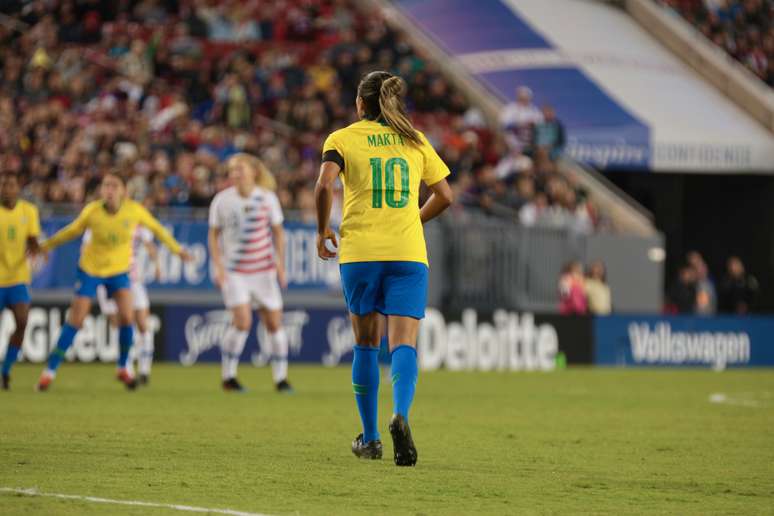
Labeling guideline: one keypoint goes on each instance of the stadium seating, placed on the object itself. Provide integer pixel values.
(744, 29)
(165, 95)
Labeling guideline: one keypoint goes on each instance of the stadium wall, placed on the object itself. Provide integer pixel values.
(501, 340)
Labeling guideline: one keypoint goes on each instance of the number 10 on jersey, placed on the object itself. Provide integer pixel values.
(388, 191)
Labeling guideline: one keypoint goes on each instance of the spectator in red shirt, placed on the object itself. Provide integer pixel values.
(572, 291)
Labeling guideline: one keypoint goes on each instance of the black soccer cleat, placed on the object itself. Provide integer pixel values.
(6, 382)
(143, 379)
(370, 450)
(283, 387)
(403, 444)
(232, 385)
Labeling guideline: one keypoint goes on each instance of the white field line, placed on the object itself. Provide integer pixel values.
(135, 503)
(724, 399)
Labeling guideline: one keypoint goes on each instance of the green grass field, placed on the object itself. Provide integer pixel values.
(575, 441)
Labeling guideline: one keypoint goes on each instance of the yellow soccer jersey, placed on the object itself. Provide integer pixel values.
(16, 226)
(381, 177)
(109, 251)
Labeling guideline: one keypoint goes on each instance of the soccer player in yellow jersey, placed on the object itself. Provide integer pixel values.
(105, 260)
(19, 231)
(383, 260)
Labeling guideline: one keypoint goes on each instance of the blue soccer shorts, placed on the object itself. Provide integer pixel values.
(14, 295)
(390, 288)
(86, 286)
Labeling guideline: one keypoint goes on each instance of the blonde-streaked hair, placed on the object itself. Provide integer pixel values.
(263, 176)
(382, 95)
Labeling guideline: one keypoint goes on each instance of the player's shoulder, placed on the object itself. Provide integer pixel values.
(27, 206)
(265, 193)
(91, 207)
(423, 138)
(348, 131)
(226, 193)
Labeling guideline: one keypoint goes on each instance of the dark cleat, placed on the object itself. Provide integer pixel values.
(284, 387)
(127, 379)
(370, 450)
(6, 382)
(232, 385)
(403, 444)
(143, 379)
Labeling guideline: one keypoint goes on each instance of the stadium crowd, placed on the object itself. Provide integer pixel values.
(744, 28)
(164, 91)
(695, 292)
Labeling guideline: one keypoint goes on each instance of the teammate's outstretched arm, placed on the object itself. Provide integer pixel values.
(440, 199)
(323, 198)
(160, 232)
(69, 232)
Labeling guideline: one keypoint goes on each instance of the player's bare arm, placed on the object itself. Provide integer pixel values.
(439, 200)
(278, 234)
(213, 242)
(323, 198)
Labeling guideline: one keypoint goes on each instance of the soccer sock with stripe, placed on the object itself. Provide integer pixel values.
(125, 341)
(230, 351)
(11, 354)
(365, 383)
(66, 338)
(145, 355)
(404, 378)
(279, 351)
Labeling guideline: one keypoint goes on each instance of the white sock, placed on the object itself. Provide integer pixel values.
(145, 352)
(230, 351)
(278, 342)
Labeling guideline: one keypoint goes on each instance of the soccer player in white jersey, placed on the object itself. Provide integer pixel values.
(143, 349)
(247, 249)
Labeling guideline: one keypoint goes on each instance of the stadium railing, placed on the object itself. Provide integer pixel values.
(487, 264)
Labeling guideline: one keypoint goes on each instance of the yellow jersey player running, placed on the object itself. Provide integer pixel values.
(382, 160)
(19, 231)
(105, 260)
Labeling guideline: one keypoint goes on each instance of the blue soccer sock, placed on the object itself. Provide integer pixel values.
(365, 383)
(125, 340)
(11, 354)
(404, 378)
(66, 338)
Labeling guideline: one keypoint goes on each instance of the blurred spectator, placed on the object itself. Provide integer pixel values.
(548, 135)
(683, 292)
(572, 290)
(706, 297)
(744, 28)
(597, 289)
(738, 289)
(159, 92)
(518, 118)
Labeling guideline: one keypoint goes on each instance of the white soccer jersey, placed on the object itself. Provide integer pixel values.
(245, 223)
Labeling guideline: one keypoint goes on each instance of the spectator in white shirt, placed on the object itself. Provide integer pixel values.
(519, 117)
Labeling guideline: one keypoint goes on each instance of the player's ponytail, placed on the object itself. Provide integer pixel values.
(382, 97)
(263, 176)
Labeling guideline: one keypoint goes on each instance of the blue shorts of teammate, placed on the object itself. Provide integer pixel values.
(86, 286)
(14, 295)
(390, 288)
